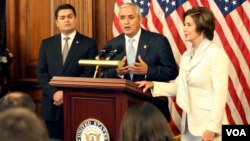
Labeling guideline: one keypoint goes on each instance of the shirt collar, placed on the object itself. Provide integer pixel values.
(71, 36)
(136, 37)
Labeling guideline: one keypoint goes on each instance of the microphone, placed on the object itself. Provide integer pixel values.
(114, 52)
(102, 53)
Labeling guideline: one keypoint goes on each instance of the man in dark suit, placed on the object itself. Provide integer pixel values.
(59, 56)
(152, 57)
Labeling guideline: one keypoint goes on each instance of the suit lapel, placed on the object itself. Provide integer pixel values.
(199, 55)
(58, 51)
(75, 44)
(122, 42)
(123, 45)
(142, 46)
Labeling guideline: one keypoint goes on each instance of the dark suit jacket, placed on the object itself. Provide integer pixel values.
(50, 64)
(154, 49)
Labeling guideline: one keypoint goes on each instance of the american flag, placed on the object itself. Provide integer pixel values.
(232, 32)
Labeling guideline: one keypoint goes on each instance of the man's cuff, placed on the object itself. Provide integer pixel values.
(121, 76)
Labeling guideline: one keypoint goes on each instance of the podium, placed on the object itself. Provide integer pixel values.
(103, 99)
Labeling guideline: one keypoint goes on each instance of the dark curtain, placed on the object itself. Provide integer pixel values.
(5, 58)
(2, 24)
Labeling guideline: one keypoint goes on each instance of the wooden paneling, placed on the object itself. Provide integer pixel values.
(103, 20)
(30, 24)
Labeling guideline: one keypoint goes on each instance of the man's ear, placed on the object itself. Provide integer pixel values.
(57, 23)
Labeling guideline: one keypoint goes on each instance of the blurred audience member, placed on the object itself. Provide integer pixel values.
(16, 99)
(145, 122)
(21, 124)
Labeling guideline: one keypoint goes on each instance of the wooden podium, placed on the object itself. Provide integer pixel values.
(103, 99)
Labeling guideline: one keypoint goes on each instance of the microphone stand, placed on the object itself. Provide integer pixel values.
(99, 64)
(97, 68)
(96, 71)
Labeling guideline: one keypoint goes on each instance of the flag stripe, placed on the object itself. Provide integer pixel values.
(178, 109)
(194, 3)
(228, 49)
(177, 37)
(237, 36)
(115, 18)
(116, 24)
(145, 23)
(236, 18)
(244, 18)
(236, 100)
(155, 19)
(231, 55)
(245, 6)
(229, 115)
(232, 92)
(119, 2)
(176, 113)
(151, 26)
(167, 31)
(175, 110)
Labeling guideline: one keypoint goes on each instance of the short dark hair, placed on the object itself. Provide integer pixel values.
(145, 122)
(20, 124)
(17, 99)
(63, 7)
(204, 20)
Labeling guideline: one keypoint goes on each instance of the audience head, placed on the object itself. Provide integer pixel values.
(129, 19)
(204, 20)
(16, 99)
(66, 18)
(20, 124)
(145, 122)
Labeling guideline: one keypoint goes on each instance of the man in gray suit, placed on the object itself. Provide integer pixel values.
(59, 56)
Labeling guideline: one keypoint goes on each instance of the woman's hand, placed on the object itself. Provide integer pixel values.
(208, 136)
(146, 84)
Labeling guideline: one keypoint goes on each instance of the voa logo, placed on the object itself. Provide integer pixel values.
(236, 132)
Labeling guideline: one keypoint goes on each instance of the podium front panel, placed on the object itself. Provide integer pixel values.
(107, 106)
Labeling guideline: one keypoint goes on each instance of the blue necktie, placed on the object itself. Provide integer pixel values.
(131, 54)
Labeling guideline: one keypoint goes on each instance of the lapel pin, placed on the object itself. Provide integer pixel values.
(145, 46)
(77, 42)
